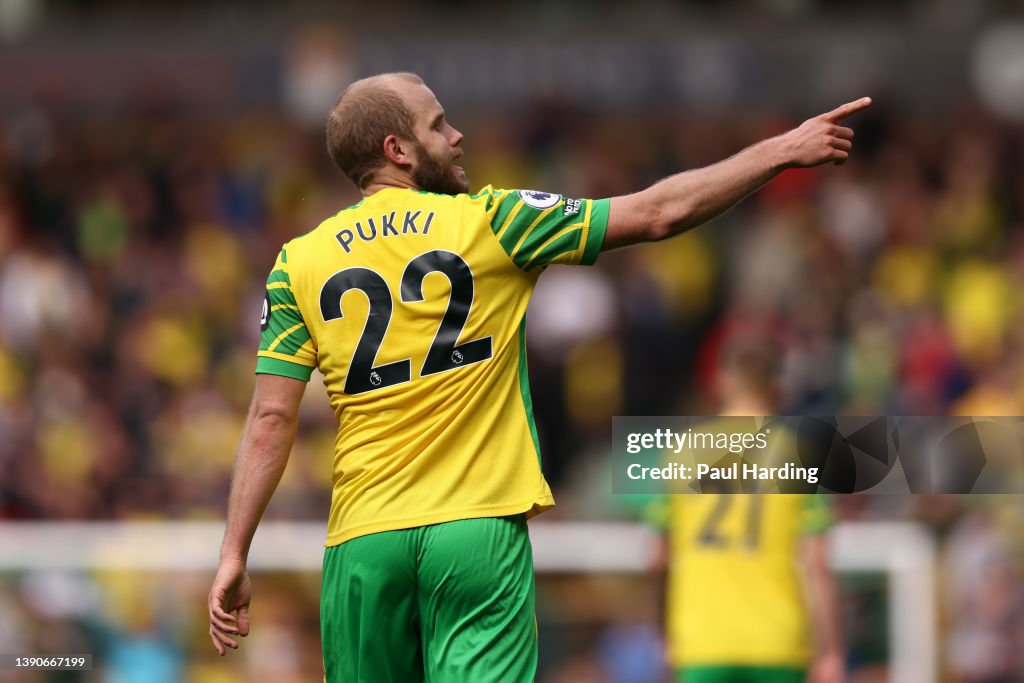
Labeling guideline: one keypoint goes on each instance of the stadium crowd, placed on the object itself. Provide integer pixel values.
(132, 255)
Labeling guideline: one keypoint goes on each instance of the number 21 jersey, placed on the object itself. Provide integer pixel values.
(412, 305)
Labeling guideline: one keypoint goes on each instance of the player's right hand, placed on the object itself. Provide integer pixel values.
(230, 595)
(828, 668)
(821, 139)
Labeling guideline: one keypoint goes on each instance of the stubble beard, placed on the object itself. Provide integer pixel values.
(434, 175)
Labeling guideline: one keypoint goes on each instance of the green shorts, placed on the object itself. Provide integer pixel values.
(740, 674)
(446, 603)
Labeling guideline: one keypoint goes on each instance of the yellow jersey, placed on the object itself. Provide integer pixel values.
(735, 595)
(412, 305)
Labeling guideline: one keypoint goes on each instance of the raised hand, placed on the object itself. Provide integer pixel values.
(821, 139)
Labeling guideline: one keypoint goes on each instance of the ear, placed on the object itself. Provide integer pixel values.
(397, 152)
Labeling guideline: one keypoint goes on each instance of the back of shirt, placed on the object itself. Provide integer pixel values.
(735, 594)
(413, 306)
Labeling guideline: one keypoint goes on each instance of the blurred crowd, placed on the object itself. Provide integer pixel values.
(133, 253)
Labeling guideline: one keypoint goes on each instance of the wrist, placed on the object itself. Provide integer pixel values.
(776, 153)
(233, 555)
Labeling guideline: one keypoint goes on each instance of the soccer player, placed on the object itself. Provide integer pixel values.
(412, 303)
(750, 596)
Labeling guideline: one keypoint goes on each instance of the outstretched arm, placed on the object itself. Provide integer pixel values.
(262, 456)
(687, 199)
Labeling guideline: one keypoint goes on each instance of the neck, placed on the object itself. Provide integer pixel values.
(388, 179)
(746, 404)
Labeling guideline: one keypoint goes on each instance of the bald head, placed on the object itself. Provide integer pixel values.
(367, 112)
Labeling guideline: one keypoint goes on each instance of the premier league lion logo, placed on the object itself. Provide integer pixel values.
(539, 200)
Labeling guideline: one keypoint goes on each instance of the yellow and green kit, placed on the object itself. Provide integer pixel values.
(413, 305)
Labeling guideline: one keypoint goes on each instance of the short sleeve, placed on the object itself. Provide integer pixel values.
(816, 515)
(658, 512)
(537, 229)
(286, 347)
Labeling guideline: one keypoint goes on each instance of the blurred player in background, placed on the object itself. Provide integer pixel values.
(428, 569)
(750, 597)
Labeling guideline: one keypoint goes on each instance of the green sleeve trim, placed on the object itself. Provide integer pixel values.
(506, 205)
(817, 514)
(282, 295)
(279, 276)
(596, 231)
(657, 513)
(275, 366)
(538, 233)
(485, 191)
(567, 243)
(291, 340)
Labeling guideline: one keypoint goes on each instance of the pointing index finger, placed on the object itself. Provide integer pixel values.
(841, 112)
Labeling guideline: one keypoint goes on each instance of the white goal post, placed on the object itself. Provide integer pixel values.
(905, 552)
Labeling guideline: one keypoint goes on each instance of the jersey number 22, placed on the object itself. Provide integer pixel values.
(445, 352)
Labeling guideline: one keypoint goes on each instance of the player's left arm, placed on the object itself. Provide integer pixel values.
(685, 200)
(263, 452)
(829, 665)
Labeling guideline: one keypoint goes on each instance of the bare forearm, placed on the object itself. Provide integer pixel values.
(691, 198)
(825, 611)
(262, 456)
(686, 200)
(826, 618)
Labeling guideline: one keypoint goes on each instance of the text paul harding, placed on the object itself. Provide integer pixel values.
(695, 442)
